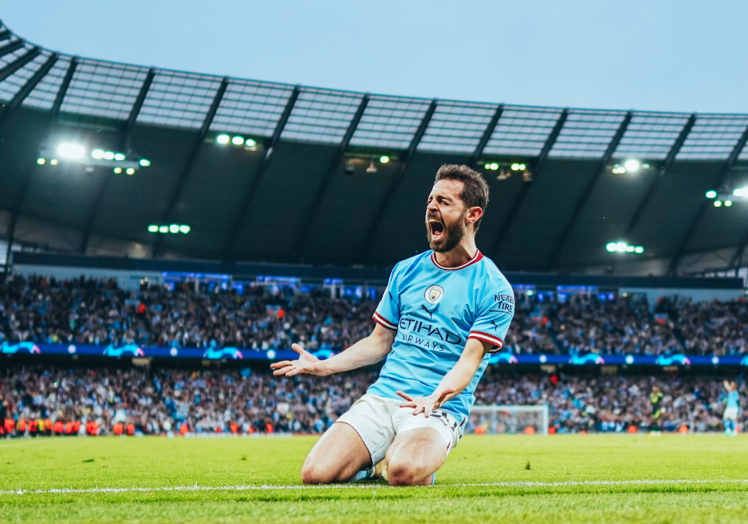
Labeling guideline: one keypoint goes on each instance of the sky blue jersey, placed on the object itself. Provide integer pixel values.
(434, 310)
(733, 398)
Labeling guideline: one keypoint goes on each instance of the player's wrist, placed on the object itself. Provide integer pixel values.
(324, 369)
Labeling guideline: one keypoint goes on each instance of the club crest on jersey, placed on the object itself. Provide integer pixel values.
(434, 294)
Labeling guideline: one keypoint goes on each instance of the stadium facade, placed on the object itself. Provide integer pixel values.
(104, 158)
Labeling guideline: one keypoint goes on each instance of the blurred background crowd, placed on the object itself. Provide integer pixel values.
(39, 399)
(89, 311)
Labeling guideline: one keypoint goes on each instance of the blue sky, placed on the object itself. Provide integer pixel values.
(654, 55)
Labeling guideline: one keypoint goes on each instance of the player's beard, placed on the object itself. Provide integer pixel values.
(453, 234)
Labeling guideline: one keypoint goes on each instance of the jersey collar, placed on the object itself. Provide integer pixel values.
(476, 258)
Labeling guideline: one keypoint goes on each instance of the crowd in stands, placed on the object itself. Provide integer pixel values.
(89, 311)
(37, 400)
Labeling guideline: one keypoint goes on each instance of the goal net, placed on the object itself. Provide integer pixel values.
(495, 419)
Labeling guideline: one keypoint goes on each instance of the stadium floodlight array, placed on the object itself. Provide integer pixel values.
(171, 228)
(494, 166)
(623, 247)
(78, 154)
(726, 197)
(629, 166)
(506, 171)
(237, 140)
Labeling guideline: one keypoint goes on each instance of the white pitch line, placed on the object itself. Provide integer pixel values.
(654, 482)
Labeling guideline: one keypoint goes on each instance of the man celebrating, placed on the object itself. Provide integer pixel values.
(732, 406)
(441, 315)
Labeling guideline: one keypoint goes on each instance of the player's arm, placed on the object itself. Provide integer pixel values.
(454, 382)
(365, 352)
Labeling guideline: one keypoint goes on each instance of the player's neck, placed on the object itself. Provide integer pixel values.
(459, 255)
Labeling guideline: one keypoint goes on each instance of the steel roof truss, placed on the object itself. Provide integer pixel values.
(724, 173)
(192, 156)
(255, 183)
(536, 169)
(319, 197)
(566, 232)
(397, 179)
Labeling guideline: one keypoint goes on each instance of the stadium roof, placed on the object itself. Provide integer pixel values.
(287, 194)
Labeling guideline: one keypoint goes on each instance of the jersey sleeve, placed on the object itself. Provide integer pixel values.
(388, 311)
(495, 313)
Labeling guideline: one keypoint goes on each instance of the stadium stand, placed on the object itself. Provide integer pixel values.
(39, 399)
(99, 312)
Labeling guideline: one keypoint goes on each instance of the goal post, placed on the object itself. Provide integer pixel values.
(508, 419)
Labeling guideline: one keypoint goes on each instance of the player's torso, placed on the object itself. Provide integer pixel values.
(733, 399)
(437, 310)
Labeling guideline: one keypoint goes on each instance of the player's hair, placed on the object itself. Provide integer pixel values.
(475, 192)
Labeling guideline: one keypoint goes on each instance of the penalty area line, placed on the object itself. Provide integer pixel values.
(518, 484)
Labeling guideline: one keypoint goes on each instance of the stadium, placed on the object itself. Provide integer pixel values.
(166, 236)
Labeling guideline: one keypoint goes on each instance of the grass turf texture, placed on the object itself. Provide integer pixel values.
(153, 462)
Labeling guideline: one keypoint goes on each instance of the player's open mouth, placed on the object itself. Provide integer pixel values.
(436, 228)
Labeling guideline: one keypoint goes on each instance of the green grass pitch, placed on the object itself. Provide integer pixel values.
(557, 479)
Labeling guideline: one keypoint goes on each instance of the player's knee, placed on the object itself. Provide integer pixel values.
(402, 474)
(311, 473)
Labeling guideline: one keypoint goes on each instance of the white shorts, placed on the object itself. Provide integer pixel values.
(730, 414)
(379, 420)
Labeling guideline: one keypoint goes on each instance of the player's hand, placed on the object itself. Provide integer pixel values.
(307, 363)
(426, 405)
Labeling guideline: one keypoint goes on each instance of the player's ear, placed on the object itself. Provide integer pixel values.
(473, 214)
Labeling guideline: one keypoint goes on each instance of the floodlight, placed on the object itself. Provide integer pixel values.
(163, 229)
(184, 229)
(174, 228)
(145, 162)
(130, 171)
(621, 247)
(612, 247)
(717, 203)
(645, 166)
(119, 157)
(41, 161)
(384, 159)
(98, 154)
(728, 203)
(494, 166)
(713, 194)
(530, 292)
(487, 166)
(118, 170)
(629, 249)
(68, 150)
(250, 142)
(639, 250)
(237, 140)
(515, 167)
(619, 170)
(108, 155)
(54, 161)
(153, 228)
(223, 139)
(522, 167)
(632, 165)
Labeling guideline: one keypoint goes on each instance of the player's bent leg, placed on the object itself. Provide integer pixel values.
(336, 457)
(414, 457)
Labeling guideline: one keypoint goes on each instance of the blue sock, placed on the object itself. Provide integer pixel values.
(364, 474)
